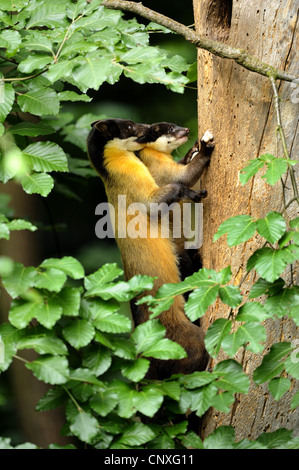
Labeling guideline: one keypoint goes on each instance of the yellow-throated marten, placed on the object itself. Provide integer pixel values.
(160, 140)
(111, 146)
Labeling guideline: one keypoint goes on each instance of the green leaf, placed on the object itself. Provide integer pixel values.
(104, 275)
(21, 313)
(196, 379)
(250, 170)
(279, 386)
(19, 224)
(165, 349)
(49, 313)
(272, 227)
(9, 337)
(34, 62)
(136, 434)
(84, 426)
(42, 342)
(292, 363)
(252, 312)
(215, 335)
(69, 300)
(47, 14)
(264, 287)
(73, 96)
(222, 401)
(52, 370)
(202, 397)
(104, 402)
(92, 73)
(268, 263)
(234, 378)
(69, 265)
(11, 41)
(230, 295)
(51, 279)
(295, 401)
(38, 183)
(252, 333)
(276, 168)
(136, 370)
(19, 280)
(53, 398)
(271, 366)
(239, 229)
(222, 438)
(112, 322)
(199, 300)
(97, 359)
(41, 101)
(275, 439)
(37, 41)
(147, 334)
(281, 303)
(45, 156)
(31, 129)
(78, 333)
(7, 96)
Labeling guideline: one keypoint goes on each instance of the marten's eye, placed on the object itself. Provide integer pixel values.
(171, 129)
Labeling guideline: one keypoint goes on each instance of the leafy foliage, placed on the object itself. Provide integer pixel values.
(86, 351)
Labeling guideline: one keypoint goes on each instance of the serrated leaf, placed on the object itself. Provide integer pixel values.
(250, 170)
(281, 303)
(21, 313)
(84, 426)
(165, 349)
(279, 386)
(92, 73)
(199, 300)
(104, 402)
(47, 14)
(149, 400)
(104, 275)
(69, 300)
(251, 333)
(234, 378)
(291, 364)
(43, 343)
(52, 370)
(34, 62)
(11, 41)
(136, 434)
(41, 101)
(69, 265)
(31, 129)
(122, 347)
(45, 156)
(230, 295)
(73, 96)
(38, 183)
(239, 229)
(97, 359)
(276, 168)
(272, 227)
(264, 287)
(268, 263)
(9, 337)
(202, 397)
(252, 311)
(136, 370)
(78, 333)
(19, 224)
(196, 379)
(215, 335)
(295, 401)
(19, 280)
(52, 399)
(147, 334)
(222, 438)
(51, 279)
(49, 313)
(112, 322)
(275, 439)
(222, 401)
(7, 96)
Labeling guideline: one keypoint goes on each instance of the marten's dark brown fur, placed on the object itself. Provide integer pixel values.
(111, 146)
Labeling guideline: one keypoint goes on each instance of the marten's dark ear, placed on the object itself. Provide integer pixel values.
(102, 127)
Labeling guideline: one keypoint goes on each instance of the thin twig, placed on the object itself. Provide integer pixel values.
(240, 56)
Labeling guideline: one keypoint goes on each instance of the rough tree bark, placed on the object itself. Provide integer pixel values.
(237, 106)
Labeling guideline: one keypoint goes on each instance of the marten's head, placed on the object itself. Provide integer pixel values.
(164, 136)
(125, 133)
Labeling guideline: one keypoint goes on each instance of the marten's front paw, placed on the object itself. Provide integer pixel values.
(207, 143)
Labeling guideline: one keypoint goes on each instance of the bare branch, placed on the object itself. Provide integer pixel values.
(240, 56)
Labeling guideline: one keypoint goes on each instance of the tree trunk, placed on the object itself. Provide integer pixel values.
(237, 106)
